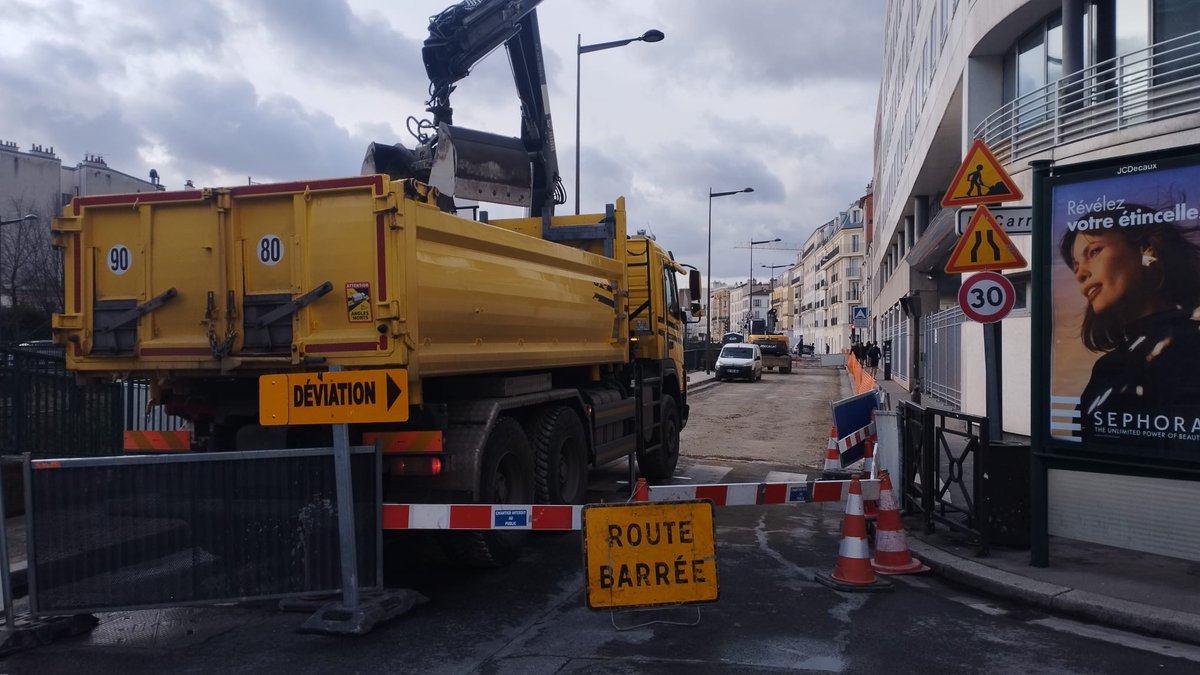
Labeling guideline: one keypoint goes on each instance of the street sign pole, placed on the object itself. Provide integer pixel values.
(985, 247)
(992, 370)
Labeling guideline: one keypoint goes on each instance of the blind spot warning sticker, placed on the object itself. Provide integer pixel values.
(358, 301)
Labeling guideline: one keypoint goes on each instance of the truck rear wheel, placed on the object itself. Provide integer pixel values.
(506, 477)
(661, 462)
(560, 460)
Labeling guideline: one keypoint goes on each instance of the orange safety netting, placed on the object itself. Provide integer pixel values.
(863, 382)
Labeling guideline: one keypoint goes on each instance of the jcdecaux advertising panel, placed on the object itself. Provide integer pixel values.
(1124, 307)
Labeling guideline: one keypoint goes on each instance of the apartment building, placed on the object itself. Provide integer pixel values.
(38, 181)
(720, 310)
(832, 269)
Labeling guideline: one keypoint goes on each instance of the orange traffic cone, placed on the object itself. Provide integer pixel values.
(891, 543)
(853, 570)
(833, 459)
(641, 491)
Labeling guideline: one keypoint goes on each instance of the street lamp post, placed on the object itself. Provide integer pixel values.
(14, 221)
(652, 35)
(708, 277)
(750, 281)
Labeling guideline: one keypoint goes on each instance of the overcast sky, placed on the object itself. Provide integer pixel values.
(778, 95)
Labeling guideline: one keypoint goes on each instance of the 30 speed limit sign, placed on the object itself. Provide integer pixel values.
(986, 297)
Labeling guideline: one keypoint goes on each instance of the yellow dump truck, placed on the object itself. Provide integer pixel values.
(776, 351)
(528, 349)
(492, 362)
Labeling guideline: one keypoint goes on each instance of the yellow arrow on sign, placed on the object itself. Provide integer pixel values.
(333, 398)
(984, 246)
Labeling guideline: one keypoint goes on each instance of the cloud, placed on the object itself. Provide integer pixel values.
(225, 125)
(151, 27)
(48, 84)
(773, 42)
(327, 38)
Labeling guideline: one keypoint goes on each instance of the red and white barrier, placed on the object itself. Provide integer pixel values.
(560, 518)
(481, 517)
(746, 494)
(856, 437)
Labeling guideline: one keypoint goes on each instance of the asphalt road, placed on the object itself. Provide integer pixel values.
(781, 419)
(531, 617)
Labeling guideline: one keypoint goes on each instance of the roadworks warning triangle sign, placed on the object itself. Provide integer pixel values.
(984, 246)
(980, 180)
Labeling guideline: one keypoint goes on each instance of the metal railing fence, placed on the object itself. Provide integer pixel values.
(1147, 85)
(941, 343)
(44, 411)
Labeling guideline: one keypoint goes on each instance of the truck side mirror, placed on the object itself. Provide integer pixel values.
(694, 292)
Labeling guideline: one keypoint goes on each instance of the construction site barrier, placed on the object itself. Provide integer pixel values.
(569, 517)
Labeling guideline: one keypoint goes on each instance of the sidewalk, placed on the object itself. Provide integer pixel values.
(1120, 588)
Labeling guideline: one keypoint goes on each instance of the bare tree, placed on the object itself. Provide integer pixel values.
(31, 274)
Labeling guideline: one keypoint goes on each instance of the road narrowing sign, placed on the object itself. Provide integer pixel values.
(645, 555)
(987, 297)
(980, 180)
(350, 397)
(984, 246)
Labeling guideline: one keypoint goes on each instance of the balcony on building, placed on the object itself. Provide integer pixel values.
(1139, 93)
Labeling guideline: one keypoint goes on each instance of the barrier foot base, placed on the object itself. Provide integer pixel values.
(373, 608)
(875, 587)
(27, 633)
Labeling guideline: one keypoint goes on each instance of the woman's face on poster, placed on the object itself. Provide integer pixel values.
(1109, 272)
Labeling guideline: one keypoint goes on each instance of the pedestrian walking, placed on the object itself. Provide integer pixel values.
(873, 358)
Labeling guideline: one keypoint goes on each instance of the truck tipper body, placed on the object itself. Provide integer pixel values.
(532, 348)
(776, 352)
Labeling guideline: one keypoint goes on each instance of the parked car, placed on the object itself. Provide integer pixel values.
(739, 361)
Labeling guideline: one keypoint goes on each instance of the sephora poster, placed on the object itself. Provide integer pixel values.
(1125, 308)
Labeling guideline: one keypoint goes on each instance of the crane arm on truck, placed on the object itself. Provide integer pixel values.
(475, 164)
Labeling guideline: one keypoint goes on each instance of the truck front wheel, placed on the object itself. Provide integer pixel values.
(661, 462)
(506, 477)
(560, 460)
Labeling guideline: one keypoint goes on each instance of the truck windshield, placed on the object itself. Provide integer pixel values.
(737, 352)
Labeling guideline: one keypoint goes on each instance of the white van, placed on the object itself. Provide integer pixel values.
(739, 360)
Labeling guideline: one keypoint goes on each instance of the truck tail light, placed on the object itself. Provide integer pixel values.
(417, 465)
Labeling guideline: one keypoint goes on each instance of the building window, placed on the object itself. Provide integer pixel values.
(1173, 19)
(1020, 284)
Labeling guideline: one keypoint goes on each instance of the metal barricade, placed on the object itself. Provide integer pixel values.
(147, 531)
